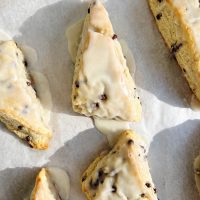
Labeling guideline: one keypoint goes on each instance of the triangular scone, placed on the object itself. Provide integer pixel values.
(51, 184)
(123, 173)
(103, 86)
(20, 110)
(178, 22)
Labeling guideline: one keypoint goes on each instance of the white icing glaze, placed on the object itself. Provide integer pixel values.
(61, 180)
(130, 60)
(106, 76)
(73, 34)
(4, 36)
(41, 85)
(111, 128)
(197, 172)
(30, 55)
(16, 95)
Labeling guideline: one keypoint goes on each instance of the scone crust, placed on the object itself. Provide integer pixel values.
(180, 39)
(139, 168)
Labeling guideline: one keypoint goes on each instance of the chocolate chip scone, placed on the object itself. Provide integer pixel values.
(178, 22)
(20, 109)
(51, 184)
(102, 85)
(123, 173)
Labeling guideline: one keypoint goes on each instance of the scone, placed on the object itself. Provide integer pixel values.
(178, 22)
(20, 110)
(51, 184)
(102, 84)
(123, 173)
(197, 172)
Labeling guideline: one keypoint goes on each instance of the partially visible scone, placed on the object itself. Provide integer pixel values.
(197, 172)
(123, 173)
(51, 184)
(179, 24)
(20, 109)
(102, 85)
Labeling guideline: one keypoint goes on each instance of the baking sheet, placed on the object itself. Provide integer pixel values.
(165, 96)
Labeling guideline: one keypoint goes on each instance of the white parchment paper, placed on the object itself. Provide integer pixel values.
(165, 96)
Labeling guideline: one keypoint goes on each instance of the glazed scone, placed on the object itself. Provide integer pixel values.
(179, 24)
(20, 110)
(51, 184)
(102, 84)
(123, 173)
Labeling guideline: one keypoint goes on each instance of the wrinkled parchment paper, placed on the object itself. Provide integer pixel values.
(165, 96)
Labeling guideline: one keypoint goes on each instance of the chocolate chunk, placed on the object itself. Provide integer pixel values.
(143, 148)
(103, 97)
(95, 184)
(114, 37)
(197, 171)
(97, 105)
(114, 189)
(28, 138)
(84, 178)
(25, 63)
(77, 84)
(88, 10)
(158, 16)
(20, 127)
(28, 83)
(142, 195)
(148, 185)
(30, 145)
(175, 47)
(130, 142)
(155, 190)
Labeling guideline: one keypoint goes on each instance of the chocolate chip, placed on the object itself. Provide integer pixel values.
(143, 148)
(20, 127)
(25, 63)
(114, 189)
(142, 195)
(160, 1)
(114, 37)
(197, 171)
(148, 185)
(97, 105)
(84, 178)
(155, 190)
(95, 184)
(184, 70)
(175, 47)
(158, 16)
(130, 142)
(28, 83)
(30, 145)
(17, 54)
(114, 152)
(103, 97)
(28, 138)
(88, 10)
(77, 84)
